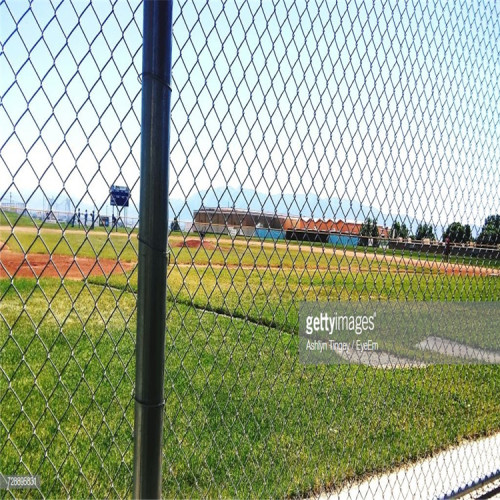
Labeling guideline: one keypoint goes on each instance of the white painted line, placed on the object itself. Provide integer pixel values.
(452, 348)
(432, 478)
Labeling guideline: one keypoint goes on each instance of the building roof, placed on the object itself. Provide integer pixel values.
(290, 222)
(339, 226)
(239, 211)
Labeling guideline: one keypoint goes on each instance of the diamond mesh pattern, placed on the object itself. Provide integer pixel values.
(69, 114)
(373, 126)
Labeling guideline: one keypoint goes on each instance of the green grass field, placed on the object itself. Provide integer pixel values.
(243, 416)
(13, 219)
(222, 252)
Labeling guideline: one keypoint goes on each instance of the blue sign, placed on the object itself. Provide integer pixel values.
(120, 196)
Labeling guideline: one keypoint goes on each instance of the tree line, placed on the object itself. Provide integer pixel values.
(456, 232)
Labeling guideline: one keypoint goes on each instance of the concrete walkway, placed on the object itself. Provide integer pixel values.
(458, 350)
(433, 478)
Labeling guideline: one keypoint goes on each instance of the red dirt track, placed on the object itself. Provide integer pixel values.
(13, 264)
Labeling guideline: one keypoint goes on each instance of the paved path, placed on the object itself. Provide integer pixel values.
(432, 478)
(456, 349)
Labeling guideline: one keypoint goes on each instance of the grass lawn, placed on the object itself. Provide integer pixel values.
(435, 257)
(13, 219)
(118, 245)
(243, 416)
(272, 297)
(71, 242)
(387, 253)
(225, 252)
(8, 218)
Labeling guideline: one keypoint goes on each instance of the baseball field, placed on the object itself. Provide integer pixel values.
(243, 415)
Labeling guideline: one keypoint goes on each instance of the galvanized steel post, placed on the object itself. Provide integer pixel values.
(153, 231)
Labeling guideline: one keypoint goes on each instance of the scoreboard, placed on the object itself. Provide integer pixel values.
(120, 196)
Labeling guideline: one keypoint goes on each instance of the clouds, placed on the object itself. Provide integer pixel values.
(389, 105)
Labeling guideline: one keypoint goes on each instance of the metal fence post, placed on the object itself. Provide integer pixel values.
(153, 229)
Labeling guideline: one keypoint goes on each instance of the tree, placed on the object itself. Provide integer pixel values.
(457, 233)
(468, 233)
(490, 233)
(399, 230)
(424, 230)
(369, 230)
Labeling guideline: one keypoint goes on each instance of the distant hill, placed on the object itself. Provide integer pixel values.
(298, 205)
(284, 204)
(309, 205)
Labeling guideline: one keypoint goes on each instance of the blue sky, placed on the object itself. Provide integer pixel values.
(395, 104)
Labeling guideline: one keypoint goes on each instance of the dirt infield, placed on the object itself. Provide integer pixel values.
(14, 264)
(36, 265)
(194, 244)
(404, 264)
(355, 259)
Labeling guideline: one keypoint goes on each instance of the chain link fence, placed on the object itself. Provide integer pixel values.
(321, 152)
